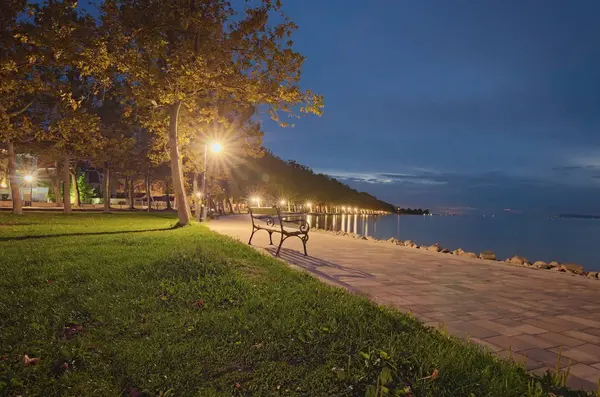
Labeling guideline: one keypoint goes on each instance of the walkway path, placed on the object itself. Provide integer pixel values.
(534, 313)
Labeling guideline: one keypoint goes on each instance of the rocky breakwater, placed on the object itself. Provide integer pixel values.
(571, 268)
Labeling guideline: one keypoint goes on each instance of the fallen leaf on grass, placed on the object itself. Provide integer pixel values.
(27, 361)
(71, 330)
(199, 303)
(258, 346)
(238, 386)
(434, 375)
(60, 367)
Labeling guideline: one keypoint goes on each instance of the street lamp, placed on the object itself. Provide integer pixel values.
(215, 148)
(29, 179)
(256, 200)
(309, 205)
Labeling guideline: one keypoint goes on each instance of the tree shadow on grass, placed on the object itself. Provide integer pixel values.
(330, 271)
(40, 236)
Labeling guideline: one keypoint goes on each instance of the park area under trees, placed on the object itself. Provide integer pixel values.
(139, 89)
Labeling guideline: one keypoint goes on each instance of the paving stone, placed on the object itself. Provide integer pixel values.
(584, 336)
(578, 383)
(585, 372)
(545, 357)
(587, 353)
(508, 343)
(536, 341)
(561, 340)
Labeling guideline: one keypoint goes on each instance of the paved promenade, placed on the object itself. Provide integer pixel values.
(534, 313)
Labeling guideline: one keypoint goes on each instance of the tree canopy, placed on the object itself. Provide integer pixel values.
(148, 83)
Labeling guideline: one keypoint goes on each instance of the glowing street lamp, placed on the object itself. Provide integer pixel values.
(256, 200)
(215, 147)
(3, 184)
(29, 179)
(309, 205)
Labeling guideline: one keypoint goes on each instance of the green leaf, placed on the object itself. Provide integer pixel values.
(371, 391)
(385, 376)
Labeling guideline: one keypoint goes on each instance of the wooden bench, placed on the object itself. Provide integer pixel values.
(288, 224)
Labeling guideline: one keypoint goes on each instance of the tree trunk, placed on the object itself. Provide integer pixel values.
(131, 196)
(17, 205)
(197, 198)
(148, 190)
(183, 209)
(168, 196)
(229, 204)
(77, 195)
(66, 187)
(106, 189)
(55, 180)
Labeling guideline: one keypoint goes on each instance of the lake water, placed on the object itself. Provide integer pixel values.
(536, 238)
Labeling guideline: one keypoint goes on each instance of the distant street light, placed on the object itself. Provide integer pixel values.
(215, 148)
(282, 202)
(29, 179)
(256, 200)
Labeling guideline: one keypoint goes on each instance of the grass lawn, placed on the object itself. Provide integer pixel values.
(122, 304)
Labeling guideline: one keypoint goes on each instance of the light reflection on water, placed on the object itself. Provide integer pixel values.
(537, 238)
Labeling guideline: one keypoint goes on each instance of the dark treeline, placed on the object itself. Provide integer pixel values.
(410, 211)
(276, 180)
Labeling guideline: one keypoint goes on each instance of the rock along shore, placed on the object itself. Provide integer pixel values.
(516, 260)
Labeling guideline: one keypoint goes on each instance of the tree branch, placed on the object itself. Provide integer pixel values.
(18, 112)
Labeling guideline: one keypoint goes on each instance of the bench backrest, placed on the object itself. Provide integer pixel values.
(277, 218)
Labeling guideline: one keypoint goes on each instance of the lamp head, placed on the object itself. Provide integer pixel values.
(216, 147)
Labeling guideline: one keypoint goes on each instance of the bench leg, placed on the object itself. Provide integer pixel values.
(280, 244)
(304, 243)
(270, 238)
(252, 235)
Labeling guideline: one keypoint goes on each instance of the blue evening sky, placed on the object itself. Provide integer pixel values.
(476, 106)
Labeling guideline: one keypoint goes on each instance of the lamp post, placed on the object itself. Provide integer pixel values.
(215, 148)
(29, 179)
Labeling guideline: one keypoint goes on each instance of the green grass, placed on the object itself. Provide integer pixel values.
(188, 312)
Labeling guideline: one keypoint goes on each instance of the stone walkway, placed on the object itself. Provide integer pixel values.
(533, 313)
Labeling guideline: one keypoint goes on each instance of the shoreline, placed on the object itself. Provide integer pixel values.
(516, 260)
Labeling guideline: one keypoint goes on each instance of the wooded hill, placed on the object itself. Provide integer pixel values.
(274, 179)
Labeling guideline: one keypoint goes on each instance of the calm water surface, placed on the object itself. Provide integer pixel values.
(536, 238)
